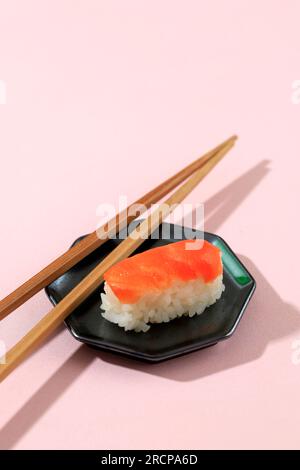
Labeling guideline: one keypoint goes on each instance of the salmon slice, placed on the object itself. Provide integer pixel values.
(158, 268)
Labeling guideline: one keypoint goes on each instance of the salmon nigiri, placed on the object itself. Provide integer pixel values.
(160, 284)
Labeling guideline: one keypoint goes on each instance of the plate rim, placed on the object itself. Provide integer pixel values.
(158, 357)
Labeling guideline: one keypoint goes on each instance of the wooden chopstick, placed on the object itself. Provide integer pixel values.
(71, 257)
(88, 285)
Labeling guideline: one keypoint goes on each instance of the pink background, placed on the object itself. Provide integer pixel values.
(110, 97)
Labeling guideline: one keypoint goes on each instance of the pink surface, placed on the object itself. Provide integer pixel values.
(144, 87)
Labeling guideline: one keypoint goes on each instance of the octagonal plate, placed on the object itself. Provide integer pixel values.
(166, 340)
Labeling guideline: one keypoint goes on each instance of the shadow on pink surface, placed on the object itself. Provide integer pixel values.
(222, 204)
(45, 397)
(268, 318)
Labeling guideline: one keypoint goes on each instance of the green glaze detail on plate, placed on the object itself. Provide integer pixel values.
(234, 268)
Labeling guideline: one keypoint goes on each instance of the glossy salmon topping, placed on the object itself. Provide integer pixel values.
(157, 269)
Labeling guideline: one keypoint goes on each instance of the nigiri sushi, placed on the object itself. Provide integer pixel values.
(163, 283)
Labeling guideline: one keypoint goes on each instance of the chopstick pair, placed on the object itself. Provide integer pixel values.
(71, 257)
(198, 169)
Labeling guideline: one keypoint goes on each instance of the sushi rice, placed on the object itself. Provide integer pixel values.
(181, 298)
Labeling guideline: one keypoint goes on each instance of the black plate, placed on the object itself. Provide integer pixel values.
(166, 340)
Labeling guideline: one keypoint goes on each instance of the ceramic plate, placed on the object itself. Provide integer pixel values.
(166, 340)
